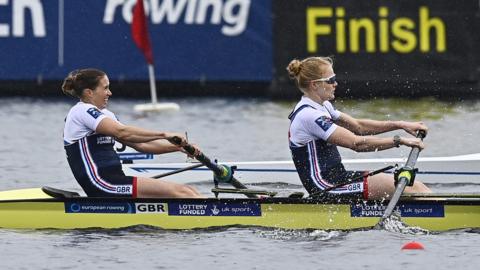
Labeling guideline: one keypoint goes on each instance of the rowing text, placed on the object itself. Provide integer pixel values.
(231, 14)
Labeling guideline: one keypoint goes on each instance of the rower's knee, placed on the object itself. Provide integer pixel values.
(185, 191)
(419, 187)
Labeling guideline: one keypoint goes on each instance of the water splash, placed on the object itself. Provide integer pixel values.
(300, 235)
(395, 224)
(326, 235)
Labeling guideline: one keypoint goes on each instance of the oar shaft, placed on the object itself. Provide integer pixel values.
(403, 180)
(402, 183)
(412, 158)
(178, 171)
(217, 169)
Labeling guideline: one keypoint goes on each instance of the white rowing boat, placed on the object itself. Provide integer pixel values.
(448, 169)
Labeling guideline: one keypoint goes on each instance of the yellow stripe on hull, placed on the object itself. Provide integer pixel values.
(28, 193)
(34, 215)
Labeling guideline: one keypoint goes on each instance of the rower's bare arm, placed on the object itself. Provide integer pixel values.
(367, 126)
(129, 134)
(372, 127)
(345, 138)
(154, 147)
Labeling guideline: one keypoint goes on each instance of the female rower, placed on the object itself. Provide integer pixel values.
(317, 128)
(89, 137)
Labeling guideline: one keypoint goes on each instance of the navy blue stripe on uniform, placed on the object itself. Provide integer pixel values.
(317, 158)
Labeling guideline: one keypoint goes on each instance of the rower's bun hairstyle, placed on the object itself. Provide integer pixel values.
(294, 68)
(308, 69)
(81, 79)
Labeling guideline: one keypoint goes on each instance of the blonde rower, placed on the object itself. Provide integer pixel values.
(317, 128)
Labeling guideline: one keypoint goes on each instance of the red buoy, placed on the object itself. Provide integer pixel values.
(413, 245)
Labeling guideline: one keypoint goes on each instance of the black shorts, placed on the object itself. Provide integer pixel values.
(356, 184)
(108, 182)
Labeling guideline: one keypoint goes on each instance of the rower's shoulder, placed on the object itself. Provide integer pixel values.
(81, 107)
(109, 113)
(308, 112)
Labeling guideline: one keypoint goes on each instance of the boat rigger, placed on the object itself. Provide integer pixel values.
(35, 209)
(447, 169)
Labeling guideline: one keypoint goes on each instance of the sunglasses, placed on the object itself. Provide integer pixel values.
(329, 80)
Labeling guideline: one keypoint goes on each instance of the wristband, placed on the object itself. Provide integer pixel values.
(396, 141)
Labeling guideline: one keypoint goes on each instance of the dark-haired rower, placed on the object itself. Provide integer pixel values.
(89, 136)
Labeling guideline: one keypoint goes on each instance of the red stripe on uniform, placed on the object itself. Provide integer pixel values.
(134, 187)
(92, 166)
(365, 187)
(318, 177)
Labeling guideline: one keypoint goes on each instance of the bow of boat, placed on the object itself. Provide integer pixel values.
(23, 194)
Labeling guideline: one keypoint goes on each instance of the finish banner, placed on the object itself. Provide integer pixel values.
(401, 41)
(192, 40)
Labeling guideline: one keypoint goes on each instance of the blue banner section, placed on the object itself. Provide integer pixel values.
(134, 156)
(406, 210)
(192, 40)
(115, 208)
(214, 209)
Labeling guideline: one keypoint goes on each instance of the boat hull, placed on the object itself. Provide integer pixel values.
(436, 214)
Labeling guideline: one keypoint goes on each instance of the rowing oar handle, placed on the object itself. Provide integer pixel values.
(199, 156)
(222, 172)
(403, 179)
(412, 158)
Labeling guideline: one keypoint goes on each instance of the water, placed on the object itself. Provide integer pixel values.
(31, 155)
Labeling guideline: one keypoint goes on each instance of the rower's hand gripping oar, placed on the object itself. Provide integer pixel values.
(222, 173)
(403, 177)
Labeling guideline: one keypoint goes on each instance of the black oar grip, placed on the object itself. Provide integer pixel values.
(178, 141)
(412, 158)
(175, 140)
(222, 173)
(421, 134)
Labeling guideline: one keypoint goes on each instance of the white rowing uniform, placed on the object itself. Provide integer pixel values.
(318, 162)
(91, 156)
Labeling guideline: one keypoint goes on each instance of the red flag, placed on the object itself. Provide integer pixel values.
(140, 31)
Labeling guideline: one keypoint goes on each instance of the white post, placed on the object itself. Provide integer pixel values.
(154, 106)
(153, 88)
(61, 32)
